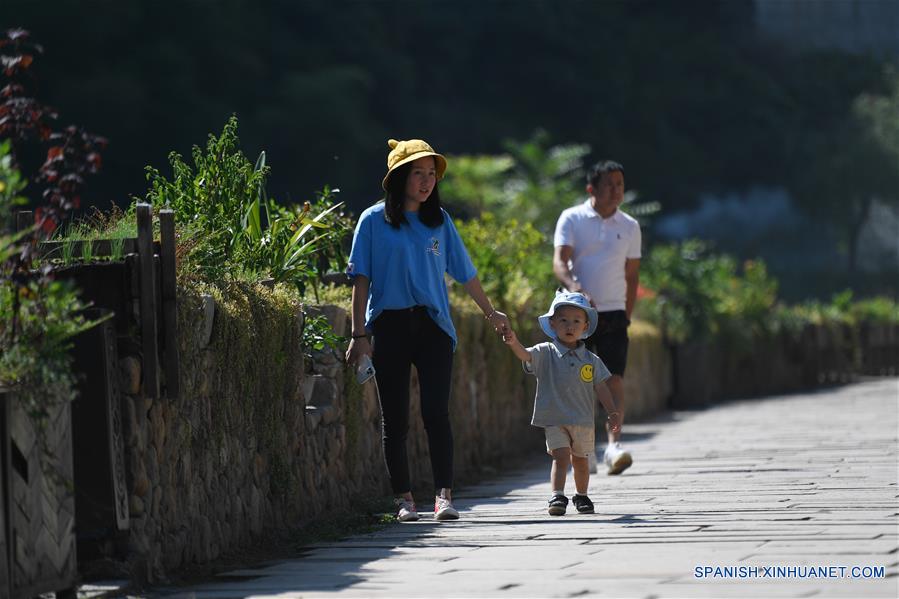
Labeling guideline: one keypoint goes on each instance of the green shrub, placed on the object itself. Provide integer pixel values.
(230, 229)
(699, 293)
(38, 317)
(115, 224)
(879, 310)
(696, 294)
(514, 261)
(842, 309)
(37, 323)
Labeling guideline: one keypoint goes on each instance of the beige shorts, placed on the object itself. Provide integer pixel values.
(581, 439)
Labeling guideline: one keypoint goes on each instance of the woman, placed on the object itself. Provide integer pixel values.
(402, 249)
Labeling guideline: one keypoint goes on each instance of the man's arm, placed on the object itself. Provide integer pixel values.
(561, 257)
(632, 278)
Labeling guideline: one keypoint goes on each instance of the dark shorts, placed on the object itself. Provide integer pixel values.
(610, 340)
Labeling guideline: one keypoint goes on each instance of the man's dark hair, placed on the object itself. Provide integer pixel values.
(603, 166)
(430, 213)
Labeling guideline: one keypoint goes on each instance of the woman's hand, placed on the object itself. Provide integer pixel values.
(500, 322)
(358, 347)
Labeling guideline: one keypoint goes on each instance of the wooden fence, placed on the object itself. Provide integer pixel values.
(155, 288)
(37, 531)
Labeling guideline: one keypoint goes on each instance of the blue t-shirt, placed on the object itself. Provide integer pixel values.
(406, 266)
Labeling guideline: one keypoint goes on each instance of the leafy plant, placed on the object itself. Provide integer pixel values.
(513, 260)
(68, 252)
(700, 293)
(87, 251)
(37, 322)
(880, 310)
(38, 316)
(532, 181)
(318, 335)
(210, 199)
(844, 309)
(116, 248)
(285, 248)
(233, 228)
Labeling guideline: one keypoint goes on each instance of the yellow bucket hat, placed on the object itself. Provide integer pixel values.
(402, 152)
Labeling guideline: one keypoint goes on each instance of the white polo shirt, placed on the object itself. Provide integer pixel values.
(601, 246)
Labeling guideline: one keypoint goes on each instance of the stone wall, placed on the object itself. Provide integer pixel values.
(262, 439)
(711, 370)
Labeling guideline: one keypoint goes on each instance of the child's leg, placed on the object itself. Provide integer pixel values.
(581, 467)
(561, 461)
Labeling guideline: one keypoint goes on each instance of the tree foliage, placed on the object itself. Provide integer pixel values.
(854, 163)
(688, 98)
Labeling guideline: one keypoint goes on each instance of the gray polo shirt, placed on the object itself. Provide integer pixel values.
(565, 380)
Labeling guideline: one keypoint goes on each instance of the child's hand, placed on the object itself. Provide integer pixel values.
(614, 419)
(509, 336)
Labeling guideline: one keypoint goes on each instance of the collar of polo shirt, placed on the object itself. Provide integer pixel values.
(579, 351)
(592, 212)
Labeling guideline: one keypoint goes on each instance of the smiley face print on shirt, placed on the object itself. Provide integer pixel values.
(587, 373)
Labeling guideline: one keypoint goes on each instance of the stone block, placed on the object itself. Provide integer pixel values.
(255, 511)
(141, 483)
(208, 318)
(136, 505)
(324, 391)
(130, 426)
(129, 375)
(313, 418)
(308, 386)
(329, 414)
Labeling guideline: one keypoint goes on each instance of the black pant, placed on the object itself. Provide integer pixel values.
(610, 340)
(403, 338)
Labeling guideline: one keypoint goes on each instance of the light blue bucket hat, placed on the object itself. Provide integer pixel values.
(569, 298)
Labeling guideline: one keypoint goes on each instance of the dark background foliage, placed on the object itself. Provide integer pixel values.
(690, 96)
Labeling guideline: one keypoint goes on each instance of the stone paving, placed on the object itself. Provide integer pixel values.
(768, 491)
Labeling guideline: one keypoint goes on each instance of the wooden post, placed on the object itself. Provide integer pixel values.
(5, 476)
(24, 219)
(169, 301)
(147, 272)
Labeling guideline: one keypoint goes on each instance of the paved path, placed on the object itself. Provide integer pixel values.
(792, 482)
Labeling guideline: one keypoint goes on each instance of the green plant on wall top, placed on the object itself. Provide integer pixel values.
(700, 293)
(514, 260)
(230, 228)
(696, 293)
(210, 199)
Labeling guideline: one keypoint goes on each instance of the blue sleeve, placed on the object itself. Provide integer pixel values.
(360, 255)
(458, 262)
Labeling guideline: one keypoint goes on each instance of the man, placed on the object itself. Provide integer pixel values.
(597, 252)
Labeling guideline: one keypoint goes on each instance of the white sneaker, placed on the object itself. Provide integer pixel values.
(405, 510)
(616, 459)
(592, 465)
(443, 508)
